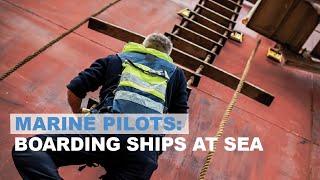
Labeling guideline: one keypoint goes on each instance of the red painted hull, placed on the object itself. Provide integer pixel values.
(289, 129)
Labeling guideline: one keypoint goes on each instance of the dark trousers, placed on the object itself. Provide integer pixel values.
(122, 164)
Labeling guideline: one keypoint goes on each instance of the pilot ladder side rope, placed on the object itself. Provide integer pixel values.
(227, 113)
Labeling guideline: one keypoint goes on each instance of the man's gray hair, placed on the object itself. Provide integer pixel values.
(159, 42)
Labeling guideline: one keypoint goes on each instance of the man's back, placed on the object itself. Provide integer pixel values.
(106, 72)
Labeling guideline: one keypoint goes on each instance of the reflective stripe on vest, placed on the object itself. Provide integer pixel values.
(131, 80)
(139, 99)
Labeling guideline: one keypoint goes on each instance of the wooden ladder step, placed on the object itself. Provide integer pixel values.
(204, 30)
(216, 17)
(211, 24)
(114, 31)
(197, 38)
(219, 8)
(229, 4)
(237, 1)
(189, 47)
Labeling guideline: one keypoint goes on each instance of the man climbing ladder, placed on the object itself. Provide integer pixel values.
(141, 79)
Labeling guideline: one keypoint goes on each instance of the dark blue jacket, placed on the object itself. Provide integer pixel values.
(106, 72)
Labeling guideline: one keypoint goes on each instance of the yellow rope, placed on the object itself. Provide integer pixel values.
(226, 115)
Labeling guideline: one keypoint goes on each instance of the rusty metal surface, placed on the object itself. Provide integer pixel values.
(289, 128)
(284, 155)
(315, 154)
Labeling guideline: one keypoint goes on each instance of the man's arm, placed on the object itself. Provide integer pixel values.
(88, 80)
(179, 98)
(74, 102)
